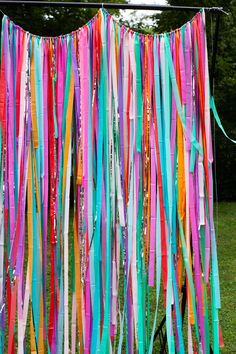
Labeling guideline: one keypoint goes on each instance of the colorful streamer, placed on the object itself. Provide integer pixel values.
(106, 198)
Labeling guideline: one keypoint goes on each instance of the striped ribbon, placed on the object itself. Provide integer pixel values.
(106, 191)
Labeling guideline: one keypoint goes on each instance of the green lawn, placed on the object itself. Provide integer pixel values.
(225, 223)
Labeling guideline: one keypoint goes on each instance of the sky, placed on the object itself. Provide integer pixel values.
(127, 13)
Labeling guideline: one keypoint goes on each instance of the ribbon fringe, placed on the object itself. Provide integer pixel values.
(106, 190)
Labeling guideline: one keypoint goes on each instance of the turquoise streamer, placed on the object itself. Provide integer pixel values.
(139, 95)
(141, 343)
(158, 273)
(39, 102)
(104, 348)
(176, 94)
(95, 342)
(217, 118)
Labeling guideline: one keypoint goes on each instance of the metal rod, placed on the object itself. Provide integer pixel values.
(109, 5)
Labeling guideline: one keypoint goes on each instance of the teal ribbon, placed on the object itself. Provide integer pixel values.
(139, 94)
(104, 348)
(217, 118)
(141, 343)
(95, 342)
(158, 271)
(39, 102)
(176, 95)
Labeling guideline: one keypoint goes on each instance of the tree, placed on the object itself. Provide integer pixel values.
(225, 82)
(51, 21)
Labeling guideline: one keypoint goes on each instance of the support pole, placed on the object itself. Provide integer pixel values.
(108, 5)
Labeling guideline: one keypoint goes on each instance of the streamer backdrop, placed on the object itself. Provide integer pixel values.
(106, 193)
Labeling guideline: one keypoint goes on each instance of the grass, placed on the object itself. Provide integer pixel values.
(225, 225)
(225, 222)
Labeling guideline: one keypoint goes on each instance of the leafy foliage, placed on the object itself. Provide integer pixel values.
(51, 21)
(224, 82)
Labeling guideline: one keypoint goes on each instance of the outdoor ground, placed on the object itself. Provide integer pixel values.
(225, 225)
(225, 222)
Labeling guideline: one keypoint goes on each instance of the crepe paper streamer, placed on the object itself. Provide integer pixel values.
(106, 190)
(217, 118)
